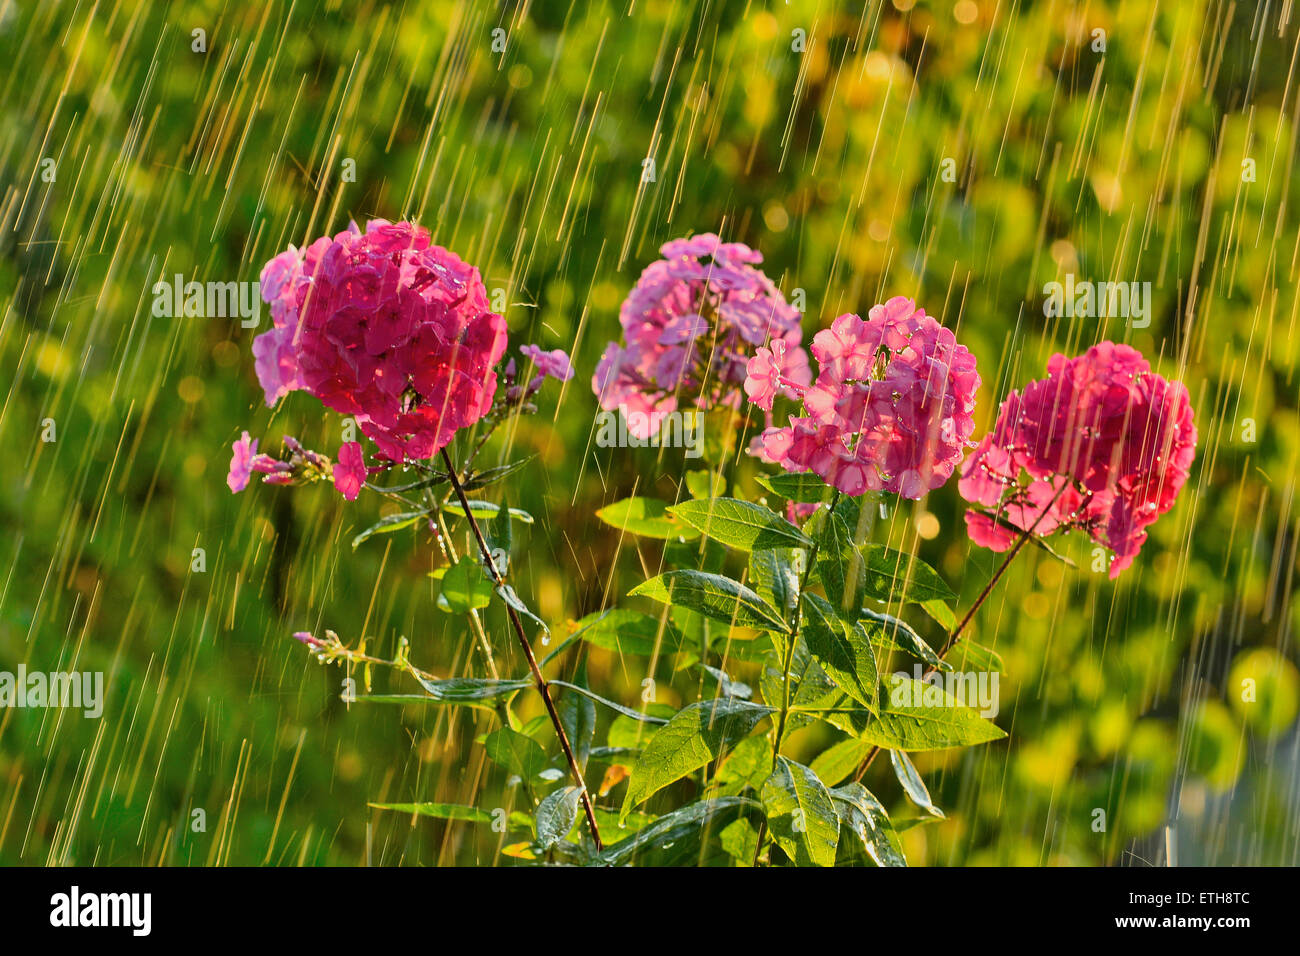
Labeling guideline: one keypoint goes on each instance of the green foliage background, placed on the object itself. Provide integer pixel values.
(1123, 165)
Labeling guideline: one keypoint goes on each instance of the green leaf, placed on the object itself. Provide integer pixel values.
(625, 711)
(506, 593)
(727, 685)
(735, 645)
(443, 811)
(566, 852)
(746, 765)
(803, 487)
(515, 752)
(839, 760)
(626, 631)
(969, 656)
(465, 587)
(487, 510)
(892, 631)
(1042, 544)
(578, 718)
(556, 815)
(739, 840)
(676, 837)
(467, 690)
(615, 754)
(800, 814)
(775, 576)
(893, 576)
(863, 816)
(500, 538)
(647, 517)
(389, 524)
(430, 482)
(858, 514)
(911, 726)
(912, 783)
(906, 823)
(714, 596)
(481, 479)
(940, 612)
(695, 736)
(839, 565)
(843, 649)
(612, 829)
(399, 699)
(631, 732)
(739, 524)
(705, 484)
(812, 687)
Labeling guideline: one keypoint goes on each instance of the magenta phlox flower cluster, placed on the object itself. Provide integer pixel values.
(1103, 445)
(383, 326)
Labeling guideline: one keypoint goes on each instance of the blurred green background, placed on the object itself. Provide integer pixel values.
(1131, 163)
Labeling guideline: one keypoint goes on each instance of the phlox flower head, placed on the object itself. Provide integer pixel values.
(383, 326)
(691, 324)
(890, 409)
(1103, 445)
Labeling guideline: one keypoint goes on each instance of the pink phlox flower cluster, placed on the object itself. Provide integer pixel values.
(890, 409)
(385, 327)
(690, 326)
(1103, 444)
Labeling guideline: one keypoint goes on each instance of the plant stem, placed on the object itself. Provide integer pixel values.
(957, 632)
(788, 663)
(518, 626)
(795, 618)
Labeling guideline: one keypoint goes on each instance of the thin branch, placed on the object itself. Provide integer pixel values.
(518, 626)
(956, 634)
